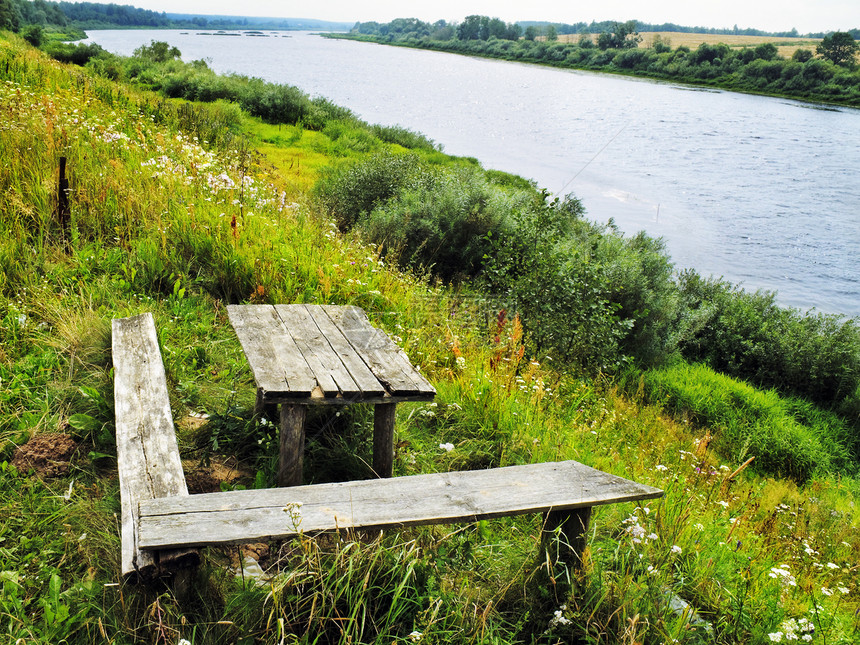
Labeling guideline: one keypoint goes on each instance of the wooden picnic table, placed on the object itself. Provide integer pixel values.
(304, 355)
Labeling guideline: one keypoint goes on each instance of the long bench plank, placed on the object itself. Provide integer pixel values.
(147, 453)
(250, 515)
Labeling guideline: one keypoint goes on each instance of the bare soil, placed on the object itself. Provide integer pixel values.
(47, 455)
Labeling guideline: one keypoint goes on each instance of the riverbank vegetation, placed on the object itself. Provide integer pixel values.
(828, 74)
(547, 336)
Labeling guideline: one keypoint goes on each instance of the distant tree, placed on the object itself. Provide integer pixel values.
(551, 33)
(10, 17)
(801, 55)
(157, 51)
(33, 34)
(839, 47)
(531, 32)
(442, 31)
(766, 51)
(623, 35)
(661, 45)
(470, 28)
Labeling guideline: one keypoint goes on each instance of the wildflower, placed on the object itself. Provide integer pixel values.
(183, 641)
(783, 574)
(661, 467)
(775, 637)
(830, 565)
(826, 591)
(415, 636)
(461, 362)
(447, 447)
(558, 618)
(677, 550)
(723, 503)
(842, 590)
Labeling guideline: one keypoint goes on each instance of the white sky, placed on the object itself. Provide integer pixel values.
(771, 15)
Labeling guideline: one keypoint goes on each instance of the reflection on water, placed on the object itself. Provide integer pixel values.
(759, 190)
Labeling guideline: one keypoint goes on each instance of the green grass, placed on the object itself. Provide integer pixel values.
(162, 224)
(787, 437)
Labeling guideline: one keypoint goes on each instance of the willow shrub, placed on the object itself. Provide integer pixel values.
(444, 223)
(749, 336)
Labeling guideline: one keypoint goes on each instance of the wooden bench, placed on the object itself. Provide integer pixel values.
(564, 491)
(147, 452)
(162, 525)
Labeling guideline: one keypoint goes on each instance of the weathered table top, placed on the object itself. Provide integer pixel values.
(317, 354)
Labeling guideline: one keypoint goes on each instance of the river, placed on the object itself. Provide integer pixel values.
(764, 192)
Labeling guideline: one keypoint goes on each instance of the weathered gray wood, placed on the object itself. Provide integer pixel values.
(292, 444)
(564, 535)
(147, 452)
(276, 362)
(358, 370)
(246, 516)
(384, 358)
(327, 368)
(383, 439)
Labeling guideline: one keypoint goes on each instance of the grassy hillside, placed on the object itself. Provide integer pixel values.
(180, 208)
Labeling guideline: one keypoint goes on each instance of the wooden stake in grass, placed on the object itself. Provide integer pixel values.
(63, 197)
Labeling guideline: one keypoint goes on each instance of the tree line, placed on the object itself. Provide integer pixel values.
(828, 74)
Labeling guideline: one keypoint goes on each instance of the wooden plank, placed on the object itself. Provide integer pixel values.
(147, 453)
(276, 362)
(328, 370)
(245, 516)
(384, 358)
(358, 370)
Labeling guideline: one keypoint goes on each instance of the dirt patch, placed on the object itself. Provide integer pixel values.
(208, 479)
(48, 455)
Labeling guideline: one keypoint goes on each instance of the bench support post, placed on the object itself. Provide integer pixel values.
(572, 529)
(383, 439)
(292, 445)
(263, 409)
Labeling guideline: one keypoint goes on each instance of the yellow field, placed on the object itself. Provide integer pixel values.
(786, 46)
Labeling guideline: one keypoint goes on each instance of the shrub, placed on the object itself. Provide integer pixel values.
(350, 190)
(544, 267)
(79, 54)
(442, 224)
(748, 336)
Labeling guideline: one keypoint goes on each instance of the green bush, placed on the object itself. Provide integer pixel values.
(79, 54)
(442, 224)
(749, 336)
(544, 267)
(350, 190)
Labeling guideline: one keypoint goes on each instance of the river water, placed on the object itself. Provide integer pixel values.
(764, 192)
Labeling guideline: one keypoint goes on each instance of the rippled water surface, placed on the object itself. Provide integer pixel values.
(761, 191)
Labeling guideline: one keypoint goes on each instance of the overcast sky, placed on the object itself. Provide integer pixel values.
(771, 15)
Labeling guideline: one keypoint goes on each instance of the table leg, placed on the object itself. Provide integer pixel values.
(572, 527)
(261, 408)
(383, 439)
(292, 447)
